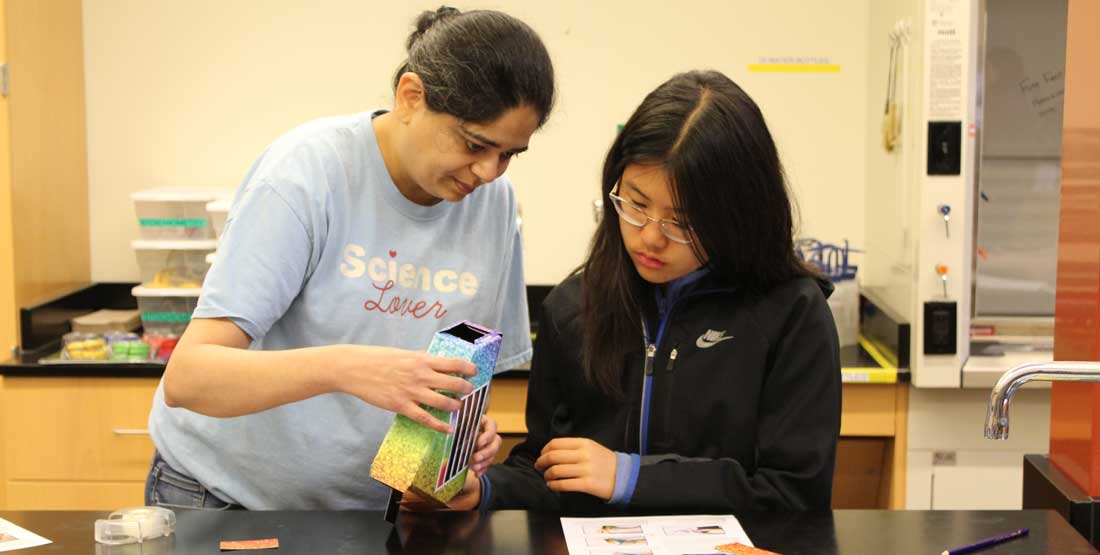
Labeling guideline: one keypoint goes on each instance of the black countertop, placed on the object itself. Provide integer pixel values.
(503, 532)
(123, 370)
(43, 325)
(79, 370)
(854, 358)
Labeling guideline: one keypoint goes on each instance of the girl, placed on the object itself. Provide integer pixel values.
(349, 244)
(692, 364)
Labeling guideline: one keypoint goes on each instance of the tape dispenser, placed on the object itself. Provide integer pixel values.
(135, 525)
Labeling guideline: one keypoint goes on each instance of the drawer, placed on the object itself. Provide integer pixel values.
(91, 429)
(869, 410)
(507, 405)
(74, 496)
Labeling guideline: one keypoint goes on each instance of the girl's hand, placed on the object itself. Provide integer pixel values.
(488, 443)
(466, 500)
(398, 380)
(578, 464)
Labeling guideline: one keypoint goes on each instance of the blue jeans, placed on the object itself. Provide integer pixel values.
(168, 487)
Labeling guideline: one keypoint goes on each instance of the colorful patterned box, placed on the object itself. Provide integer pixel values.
(433, 464)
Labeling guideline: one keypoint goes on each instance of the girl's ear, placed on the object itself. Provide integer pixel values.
(409, 98)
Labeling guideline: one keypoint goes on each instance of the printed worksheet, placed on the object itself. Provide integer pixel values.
(13, 537)
(653, 535)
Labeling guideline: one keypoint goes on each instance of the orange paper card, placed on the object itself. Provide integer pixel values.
(742, 549)
(240, 545)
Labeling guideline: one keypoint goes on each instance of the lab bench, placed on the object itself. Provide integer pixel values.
(75, 437)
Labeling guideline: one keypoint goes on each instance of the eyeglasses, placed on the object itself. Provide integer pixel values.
(634, 215)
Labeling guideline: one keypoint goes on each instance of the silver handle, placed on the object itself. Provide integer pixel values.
(129, 432)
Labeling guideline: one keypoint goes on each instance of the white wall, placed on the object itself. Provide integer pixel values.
(893, 178)
(188, 93)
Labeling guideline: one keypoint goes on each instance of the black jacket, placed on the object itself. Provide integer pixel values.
(745, 418)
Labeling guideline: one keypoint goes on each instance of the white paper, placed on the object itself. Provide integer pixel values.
(652, 535)
(13, 537)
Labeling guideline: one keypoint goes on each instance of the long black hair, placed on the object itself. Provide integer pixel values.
(479, 64)
(711, 139)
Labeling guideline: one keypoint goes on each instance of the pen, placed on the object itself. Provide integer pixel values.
(986, 542)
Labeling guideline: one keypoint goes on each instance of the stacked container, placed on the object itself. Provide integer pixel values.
(174, 213)
(218, 210)
(178, 240)
(173, 264)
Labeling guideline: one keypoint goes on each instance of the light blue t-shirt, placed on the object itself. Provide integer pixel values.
(321, 248)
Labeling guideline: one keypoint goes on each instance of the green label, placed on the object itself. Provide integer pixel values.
(166, 316)
(172, 222)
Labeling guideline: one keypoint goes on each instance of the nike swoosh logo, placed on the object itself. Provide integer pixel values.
(703, 343)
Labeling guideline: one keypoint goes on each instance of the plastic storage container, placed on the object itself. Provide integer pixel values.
(80, 345)
(175, 213)
(85, 347)
(218, 210)
(135, 525)
(127, 347)
(165, 312)
(844, 304)
(173, 264)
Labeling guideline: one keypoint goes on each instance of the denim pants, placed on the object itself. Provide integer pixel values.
(168, 487)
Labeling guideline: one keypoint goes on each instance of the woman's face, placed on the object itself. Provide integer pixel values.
(657, 258)
(448, 158)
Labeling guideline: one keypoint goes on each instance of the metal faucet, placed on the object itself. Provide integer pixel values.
(996, 417)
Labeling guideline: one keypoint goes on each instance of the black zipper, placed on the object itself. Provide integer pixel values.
(669, 389)
(647, 373)
(647, 377)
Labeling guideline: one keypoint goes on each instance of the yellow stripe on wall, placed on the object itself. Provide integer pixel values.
(795, 68)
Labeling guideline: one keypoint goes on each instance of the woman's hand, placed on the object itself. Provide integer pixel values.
(467, 499)
(398, 380)
(488, 444)
(578, 464)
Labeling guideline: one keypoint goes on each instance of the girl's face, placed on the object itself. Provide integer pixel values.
(657, 258)
(446, 158)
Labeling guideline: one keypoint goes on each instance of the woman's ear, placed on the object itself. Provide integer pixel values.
(409, 98)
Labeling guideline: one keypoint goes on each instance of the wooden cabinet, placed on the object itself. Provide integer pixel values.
(507, 402)
(82, 443)
(43, 167)
(76, 443)
(44, 248)
(870, 460)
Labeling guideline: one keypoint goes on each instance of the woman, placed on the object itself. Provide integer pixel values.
(350, 243)
(692, 364)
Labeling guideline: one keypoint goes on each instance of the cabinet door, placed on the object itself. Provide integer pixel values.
(507, 402)
(90, 429)
(48, 495)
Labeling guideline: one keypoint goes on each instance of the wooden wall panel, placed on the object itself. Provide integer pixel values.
(49, 170)
(8, 322)
(8, 310)
(1075, 408)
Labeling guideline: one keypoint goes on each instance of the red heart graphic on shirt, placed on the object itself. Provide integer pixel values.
(393, 254)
